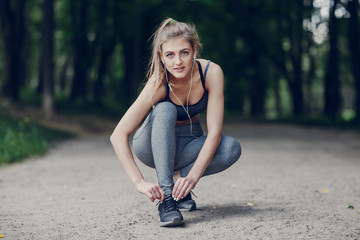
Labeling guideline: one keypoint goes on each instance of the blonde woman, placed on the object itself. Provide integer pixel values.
(171, 139)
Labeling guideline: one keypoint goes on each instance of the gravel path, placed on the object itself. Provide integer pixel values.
(290, 183)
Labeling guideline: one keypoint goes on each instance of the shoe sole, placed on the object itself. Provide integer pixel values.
(174, 223)
(188, 203)
(187, 210)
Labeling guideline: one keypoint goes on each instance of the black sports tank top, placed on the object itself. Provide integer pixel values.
(196, 108)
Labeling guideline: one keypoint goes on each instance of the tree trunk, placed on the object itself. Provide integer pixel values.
(292, 15)
(132, 55)
(63, 75)
(13, 28)
(332, 82)
(309, 104)
(234, 89)
(354, 49)
(48, 63)
(80, 48)
(276, 86)
(40, 86)
(257, 86)
(104, 60)
(107, 43)
(295, 34)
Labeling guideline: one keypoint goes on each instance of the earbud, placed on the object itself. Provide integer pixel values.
(187, 99)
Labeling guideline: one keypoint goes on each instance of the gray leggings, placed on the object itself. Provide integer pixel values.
(159, 144)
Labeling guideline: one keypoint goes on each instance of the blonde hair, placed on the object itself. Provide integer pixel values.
(168, 29)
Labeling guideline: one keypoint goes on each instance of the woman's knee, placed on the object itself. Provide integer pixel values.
(226, 155)
(232, 149)
(143, 154)
(165, 109)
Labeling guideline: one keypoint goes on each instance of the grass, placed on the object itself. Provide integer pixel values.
(21, 138)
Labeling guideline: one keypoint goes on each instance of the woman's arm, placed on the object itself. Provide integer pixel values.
(120, 141)
(214, 119)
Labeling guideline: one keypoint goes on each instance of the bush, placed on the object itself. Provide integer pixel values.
(22, 138)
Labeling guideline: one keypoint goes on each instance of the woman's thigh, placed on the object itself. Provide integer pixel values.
(162, 118)
(227, 153)
(141, 143)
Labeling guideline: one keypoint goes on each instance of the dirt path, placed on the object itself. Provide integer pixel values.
(291, 183)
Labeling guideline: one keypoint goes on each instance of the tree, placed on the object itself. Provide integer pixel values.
(107, 30)
(255, 71)
(332, 82)
(132, 47)
(354, 49)
(288, 51)
(79, 27)
(47, 57)
(12, 15)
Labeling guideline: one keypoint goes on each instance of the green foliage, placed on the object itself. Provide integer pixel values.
(110, 109)
(264, 48)
(22, 138)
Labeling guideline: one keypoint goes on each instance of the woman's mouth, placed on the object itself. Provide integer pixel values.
(179, 69)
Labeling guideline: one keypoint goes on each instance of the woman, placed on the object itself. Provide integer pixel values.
(171, 139)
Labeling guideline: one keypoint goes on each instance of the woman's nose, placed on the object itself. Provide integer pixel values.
(178, 60)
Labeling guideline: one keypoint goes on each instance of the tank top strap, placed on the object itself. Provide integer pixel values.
(201, 74)
(167, 92)
(206, 69)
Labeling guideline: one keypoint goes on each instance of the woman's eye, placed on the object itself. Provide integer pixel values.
(185, 53)
(169, 55)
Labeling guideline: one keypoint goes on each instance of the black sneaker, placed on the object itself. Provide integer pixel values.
(170, 216)
(187, 204)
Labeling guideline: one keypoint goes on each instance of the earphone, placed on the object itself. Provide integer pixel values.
(187, 99)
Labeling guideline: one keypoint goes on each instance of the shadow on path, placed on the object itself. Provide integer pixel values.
(225, 212)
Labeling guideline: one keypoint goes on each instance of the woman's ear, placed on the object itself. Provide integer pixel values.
(195, 51)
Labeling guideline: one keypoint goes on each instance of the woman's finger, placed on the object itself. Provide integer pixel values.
(151, 197)
(162, 193)
(178, 186)
(159, 193)
(183, 191)
(155, 192)
(188, 190)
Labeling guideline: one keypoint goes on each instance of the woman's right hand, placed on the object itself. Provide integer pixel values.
(153, 191)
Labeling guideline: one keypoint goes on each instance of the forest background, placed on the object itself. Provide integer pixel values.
(281, 59)
(293, 60)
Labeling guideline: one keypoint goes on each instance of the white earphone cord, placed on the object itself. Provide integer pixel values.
(187, 99)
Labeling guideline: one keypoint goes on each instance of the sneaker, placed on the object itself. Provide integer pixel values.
(186, 204)
(170, 215)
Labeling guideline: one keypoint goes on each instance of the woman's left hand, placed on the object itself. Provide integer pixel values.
(183, 186)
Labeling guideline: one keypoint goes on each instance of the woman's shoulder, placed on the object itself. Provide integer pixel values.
(213, 68)
(214, 73)
(214, 76)
(157, 92)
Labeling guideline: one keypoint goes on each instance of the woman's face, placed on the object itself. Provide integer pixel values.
(178, 56)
